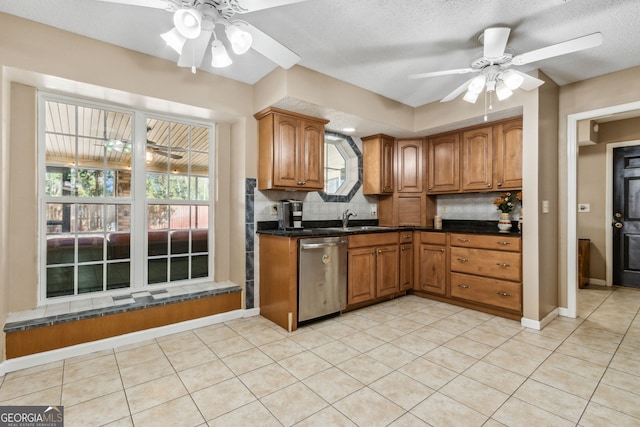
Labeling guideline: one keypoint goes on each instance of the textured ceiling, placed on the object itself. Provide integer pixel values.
(376, 44)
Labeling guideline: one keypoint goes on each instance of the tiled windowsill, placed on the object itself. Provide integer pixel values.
(104, 305)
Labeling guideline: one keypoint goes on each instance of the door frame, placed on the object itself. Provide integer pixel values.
(571, 277)
(608, 219)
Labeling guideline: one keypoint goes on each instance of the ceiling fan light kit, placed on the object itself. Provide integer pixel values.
(174, 40)
(188, 21)
(219, 56)
(239, 38)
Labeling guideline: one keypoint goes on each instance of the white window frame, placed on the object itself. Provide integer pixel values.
(137, 200)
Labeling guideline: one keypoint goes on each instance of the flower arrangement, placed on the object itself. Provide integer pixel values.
(507, 201)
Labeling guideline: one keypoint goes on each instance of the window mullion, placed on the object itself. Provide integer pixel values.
(139, 210)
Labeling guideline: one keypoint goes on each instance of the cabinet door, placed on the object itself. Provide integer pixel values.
(387, 280)
(443, 167)
(311, 161)
(477, 159)
(406, 266)
(286, 151)
(377, 163)
(432, 269)
(508, 167)
(409, 177)
(361, 284)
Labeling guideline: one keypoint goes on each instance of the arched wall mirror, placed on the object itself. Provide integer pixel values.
(342, 168)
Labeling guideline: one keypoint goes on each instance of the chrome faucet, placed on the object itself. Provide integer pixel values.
(345, 218)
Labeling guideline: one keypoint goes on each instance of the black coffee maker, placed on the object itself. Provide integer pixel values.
(289, 214)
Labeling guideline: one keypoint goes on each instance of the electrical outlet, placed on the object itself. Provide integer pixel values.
(374, 211)
(545, 206)
(443, 209)
(584, 207)
(274, 209)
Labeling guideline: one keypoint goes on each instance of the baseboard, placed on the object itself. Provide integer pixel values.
(597, 282)
(565, 312)
(539, 324)
(29, 361)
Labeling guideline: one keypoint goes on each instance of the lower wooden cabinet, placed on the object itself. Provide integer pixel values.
(406, 260)
(373, 266)
(431, 265)
(485, 290)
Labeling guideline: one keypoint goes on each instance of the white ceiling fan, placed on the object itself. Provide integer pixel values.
(494, 67)
(195, 22)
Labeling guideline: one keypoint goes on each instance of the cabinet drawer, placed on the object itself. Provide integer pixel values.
(406, 236)
(485, 241)
(433, 238)
(373, 239)
(498, 293)
(482, 262)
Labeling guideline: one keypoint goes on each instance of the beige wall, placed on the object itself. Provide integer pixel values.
(592, 188)
(605, 91)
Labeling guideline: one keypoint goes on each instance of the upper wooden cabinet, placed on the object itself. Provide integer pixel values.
(477, 159)
(507, 169)
(377, 157)
(409, 166)
(291, 151)
(443, 164)
(486, 158)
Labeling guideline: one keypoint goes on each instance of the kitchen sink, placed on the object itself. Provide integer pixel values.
(357, 228)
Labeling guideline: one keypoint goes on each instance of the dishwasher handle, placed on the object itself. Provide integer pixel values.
(322, 245)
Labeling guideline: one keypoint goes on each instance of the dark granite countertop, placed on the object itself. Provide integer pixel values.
(334, 228)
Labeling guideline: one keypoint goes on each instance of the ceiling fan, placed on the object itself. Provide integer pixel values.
(195, 22)
(494, 70)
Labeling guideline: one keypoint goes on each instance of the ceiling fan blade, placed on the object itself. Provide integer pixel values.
(270, 48)
(194, 50)
(156, 4)
(529, 82)
(253, 5)
(453, 95)
(495, 41)
(442, 73)
(570, 46)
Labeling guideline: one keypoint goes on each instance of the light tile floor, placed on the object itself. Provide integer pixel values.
(406, 362)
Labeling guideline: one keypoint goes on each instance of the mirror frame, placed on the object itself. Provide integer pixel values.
(348, 144)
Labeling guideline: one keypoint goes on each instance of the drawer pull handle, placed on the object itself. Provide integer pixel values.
(460, 285)
(503, 243)
(463, 259)
(463, 240)
(407, 236)
(504, 294)
(503, 265)
(302, 182)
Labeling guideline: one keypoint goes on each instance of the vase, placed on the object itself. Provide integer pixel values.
(520, 219)
(504, 224)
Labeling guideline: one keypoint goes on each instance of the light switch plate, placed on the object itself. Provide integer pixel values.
(545, 206)
(584, 207)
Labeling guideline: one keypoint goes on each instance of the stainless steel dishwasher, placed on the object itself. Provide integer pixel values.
(322, 277)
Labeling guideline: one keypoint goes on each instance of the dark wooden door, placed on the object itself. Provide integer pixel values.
(626, 216)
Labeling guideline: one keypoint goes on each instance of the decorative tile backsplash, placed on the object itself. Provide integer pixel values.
(471, 206)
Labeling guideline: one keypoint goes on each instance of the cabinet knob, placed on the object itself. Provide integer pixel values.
(460, 285)
(504, 294)
(463, 259)
(489, 185)
(302, 182)
(441, 250)
(499, 184)
(503, 265)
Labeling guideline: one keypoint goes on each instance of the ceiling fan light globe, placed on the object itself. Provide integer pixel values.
(471, 97)
(502, 91)
(174, 40)
(240, 39)
(219, 56)
(476, 84)
(512, 79)
(188, 22)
